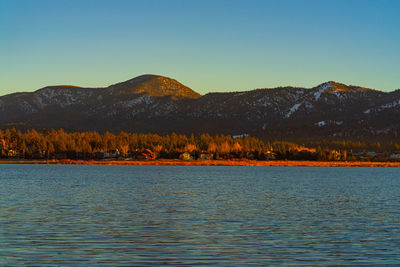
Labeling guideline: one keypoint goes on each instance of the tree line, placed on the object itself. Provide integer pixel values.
(49, 143)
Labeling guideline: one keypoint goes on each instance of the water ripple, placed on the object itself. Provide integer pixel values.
(186, 215)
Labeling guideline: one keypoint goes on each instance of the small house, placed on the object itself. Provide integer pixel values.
(12, 153)
(111, 154)
(240, 136)
(270, 155)
(395, 156)
(205, 156)
(144, 154)
(186, 156)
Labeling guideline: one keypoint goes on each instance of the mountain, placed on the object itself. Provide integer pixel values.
(151, 103)
(154, 85)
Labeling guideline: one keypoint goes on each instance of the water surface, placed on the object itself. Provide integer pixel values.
(197, 215)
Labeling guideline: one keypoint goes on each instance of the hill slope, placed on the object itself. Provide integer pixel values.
(151, 103)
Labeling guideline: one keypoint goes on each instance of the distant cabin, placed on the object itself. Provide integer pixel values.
(395, 156)
(270, 155)
(186, 156)
(109, 154)
(205, 156)
(240, 136)
(12, 153)
(143, 154)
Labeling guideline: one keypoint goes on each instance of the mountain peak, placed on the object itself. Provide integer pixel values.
(332, 86)
(60, 87)
(154, 85)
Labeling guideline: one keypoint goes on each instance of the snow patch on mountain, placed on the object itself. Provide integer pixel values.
(240, 94)
(322, 89)
(338, 94)
(382, 107)
(292, 110)
(390, 105)
(61, 97)
(141, 99)
(330, 122)
(27, 107)
(309, 105)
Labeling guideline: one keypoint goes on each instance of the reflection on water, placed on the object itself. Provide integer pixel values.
(187, 215)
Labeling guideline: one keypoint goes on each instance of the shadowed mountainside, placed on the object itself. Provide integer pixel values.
(151, 103)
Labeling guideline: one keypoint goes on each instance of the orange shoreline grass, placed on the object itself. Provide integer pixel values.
(210, 163)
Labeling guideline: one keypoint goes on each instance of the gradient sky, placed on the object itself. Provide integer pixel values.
(207, 45)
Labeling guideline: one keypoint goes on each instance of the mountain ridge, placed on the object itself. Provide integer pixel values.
(153, 103)
(337, 85)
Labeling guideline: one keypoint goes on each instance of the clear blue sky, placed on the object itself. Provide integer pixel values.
(207, 45)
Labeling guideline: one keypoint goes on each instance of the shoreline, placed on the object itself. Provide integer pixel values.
(176, 162)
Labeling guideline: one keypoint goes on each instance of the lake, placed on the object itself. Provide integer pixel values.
(198, 215)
